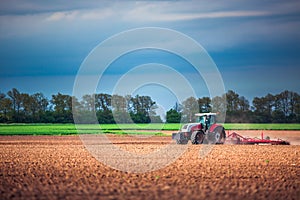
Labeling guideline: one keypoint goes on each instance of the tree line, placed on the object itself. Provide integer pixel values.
(280, 108)
(18, 107)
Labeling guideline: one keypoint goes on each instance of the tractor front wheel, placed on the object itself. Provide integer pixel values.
(181, 139)
(197, 137)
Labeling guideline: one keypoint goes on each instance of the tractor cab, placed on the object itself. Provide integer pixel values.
(206, 119)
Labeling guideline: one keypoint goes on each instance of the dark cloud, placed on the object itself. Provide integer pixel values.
(27, 7)
(247, 39)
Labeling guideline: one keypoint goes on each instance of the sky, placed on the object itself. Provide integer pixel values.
(255, 45)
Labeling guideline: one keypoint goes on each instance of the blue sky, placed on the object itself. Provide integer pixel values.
(255, 44)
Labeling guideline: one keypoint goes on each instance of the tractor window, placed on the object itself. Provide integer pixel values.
(207, 120)
(212, 119)
(201, 119)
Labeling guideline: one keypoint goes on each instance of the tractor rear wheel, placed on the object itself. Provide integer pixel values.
(222, 136)
(197, 137)
(218, 136)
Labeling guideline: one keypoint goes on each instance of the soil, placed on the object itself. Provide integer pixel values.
(60, 167)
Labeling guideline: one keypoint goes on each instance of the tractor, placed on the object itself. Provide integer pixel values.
(204, 131)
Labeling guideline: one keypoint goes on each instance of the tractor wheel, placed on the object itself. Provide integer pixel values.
(218, 136)
(197, 137)
(181, 139)
(223, 136)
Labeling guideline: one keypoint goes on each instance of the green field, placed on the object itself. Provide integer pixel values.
(71, 129)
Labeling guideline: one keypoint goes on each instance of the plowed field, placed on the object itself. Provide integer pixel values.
(60, 167)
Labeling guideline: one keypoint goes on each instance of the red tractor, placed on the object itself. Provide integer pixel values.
(204, 131)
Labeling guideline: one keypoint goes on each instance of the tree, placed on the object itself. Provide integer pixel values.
(238, 108)
(142, 104)
(5, 108)
(297, 108)
(103, 101)
(173, 116)
(41, 101)
(62, 108)
(269, 101)
(244, 105)
(263, 108)
(204, 104)
(280, 108)
(106, 117)
(29, 108)
(232, 99)
(119, 109)
(285, 106)
(219, 105)
(88, 102)
(15, 95)
(42, 106)
(142, 108)
(189, 108)
(118, 103)
(61, 102)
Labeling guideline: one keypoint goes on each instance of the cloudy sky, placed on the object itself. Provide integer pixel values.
(255, 44)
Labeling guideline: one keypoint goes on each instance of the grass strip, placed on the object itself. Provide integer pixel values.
(150, 129)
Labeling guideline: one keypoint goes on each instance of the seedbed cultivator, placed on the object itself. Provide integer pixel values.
(234, 138)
